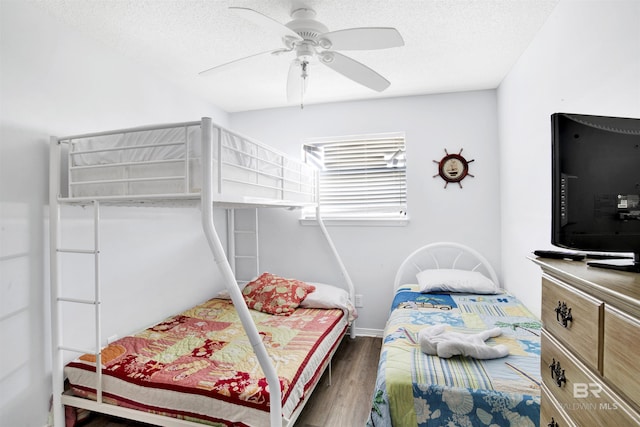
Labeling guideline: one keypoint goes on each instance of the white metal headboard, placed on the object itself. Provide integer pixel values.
(443, 255)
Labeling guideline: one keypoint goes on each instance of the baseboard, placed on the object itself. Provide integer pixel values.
(366, 332)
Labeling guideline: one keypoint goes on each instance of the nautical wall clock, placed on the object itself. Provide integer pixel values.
(453, 168)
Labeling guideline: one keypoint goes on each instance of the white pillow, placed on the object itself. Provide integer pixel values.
(329, 296)
(451, 280)
(326, 296)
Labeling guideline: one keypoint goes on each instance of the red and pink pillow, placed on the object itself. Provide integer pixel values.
(275, 295)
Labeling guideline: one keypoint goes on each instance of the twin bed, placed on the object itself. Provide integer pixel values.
(252, 356)
(430, 372)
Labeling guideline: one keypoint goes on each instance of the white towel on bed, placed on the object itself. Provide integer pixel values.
(435, 340)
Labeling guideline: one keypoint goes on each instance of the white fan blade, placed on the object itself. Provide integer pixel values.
(366, 38)
(266, 22)
(221, 67)
(354, 70)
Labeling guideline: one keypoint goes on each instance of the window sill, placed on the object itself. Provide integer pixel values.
(358, 222)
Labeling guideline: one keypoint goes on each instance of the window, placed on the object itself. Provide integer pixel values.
(361, 177)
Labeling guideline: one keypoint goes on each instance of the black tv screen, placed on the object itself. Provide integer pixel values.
(596, 184)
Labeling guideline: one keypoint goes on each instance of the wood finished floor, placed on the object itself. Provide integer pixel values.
(346, 403)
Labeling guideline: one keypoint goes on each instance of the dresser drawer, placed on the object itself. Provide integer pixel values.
(583, 396)
(620, 358)
(551, 411)
(582, 333)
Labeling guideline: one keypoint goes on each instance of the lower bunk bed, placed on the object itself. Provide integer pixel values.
(457, 350)
(199, 366)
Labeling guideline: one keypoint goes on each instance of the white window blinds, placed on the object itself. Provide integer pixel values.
(360, 177)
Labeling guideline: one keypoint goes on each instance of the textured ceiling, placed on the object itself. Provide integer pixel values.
(450, 45)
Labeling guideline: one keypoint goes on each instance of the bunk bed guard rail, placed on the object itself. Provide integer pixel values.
(165, 161)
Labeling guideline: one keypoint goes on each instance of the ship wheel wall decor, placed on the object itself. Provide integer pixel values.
(453, 168)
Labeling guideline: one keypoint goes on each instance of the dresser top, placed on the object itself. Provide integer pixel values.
(618, 288)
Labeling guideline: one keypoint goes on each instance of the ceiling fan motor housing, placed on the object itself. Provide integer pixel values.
(304, 24)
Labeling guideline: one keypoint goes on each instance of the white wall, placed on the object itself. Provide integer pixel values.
(372, 254)
(586, 59)
(56, 82)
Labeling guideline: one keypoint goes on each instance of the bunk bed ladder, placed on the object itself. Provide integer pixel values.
(242, 243)
(58, 301)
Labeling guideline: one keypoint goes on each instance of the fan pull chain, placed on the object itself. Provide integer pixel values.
(303, 82)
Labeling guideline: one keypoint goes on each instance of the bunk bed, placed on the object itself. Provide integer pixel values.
(185, 163)
(457, 349)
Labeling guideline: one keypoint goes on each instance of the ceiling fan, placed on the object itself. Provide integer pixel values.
(310, 40)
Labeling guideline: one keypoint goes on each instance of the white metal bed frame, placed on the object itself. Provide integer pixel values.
(208, 196)
(443, 255)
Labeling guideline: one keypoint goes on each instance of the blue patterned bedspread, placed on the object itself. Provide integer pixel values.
(415, 389)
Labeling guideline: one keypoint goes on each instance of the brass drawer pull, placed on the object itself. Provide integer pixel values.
(557, 373)
(563, 314)
(553, 423)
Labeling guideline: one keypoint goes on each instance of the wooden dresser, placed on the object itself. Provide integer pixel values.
(590, 357)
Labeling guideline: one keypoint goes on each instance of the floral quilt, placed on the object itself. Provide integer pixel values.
(199, 365)
(416, 389)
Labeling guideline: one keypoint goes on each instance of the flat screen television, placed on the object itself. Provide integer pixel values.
(596, 186)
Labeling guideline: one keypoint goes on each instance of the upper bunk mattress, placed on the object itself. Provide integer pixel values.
(418, 389)
(167, 160)
(200, 366)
